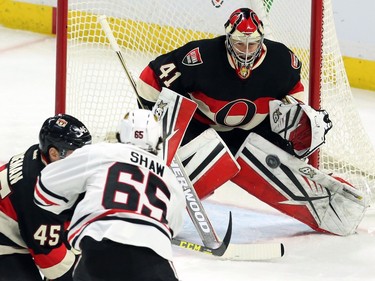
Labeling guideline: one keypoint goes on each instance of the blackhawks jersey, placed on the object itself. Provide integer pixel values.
(201, 70)
(130, 196)
(24, 227)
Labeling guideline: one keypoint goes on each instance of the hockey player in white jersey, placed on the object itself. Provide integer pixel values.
(132, 204)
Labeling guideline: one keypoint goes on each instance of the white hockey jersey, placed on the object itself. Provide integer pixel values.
(130, 196)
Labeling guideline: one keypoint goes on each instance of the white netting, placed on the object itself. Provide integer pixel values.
(99, 93)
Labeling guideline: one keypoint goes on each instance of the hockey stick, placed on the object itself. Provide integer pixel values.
(115, 47)
(194, 205)
(238, 252)
(219, 251)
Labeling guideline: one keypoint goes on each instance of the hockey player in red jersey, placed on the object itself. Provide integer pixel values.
(132, 207)
(33, 240)
(246, 85)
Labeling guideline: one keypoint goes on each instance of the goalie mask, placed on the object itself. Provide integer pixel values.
(141, 128)
(244, 39)
(63, 132)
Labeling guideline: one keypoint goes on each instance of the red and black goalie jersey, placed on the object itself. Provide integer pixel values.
(201, 70)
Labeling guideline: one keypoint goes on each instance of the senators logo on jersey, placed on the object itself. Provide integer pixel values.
(193, 58)
(295, 61)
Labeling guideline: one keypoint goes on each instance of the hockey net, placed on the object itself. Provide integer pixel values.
(98, 92)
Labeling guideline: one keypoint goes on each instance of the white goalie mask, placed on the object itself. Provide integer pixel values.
(141, 128)
(244, 39)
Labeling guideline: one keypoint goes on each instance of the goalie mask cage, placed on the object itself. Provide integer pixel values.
(92, 85)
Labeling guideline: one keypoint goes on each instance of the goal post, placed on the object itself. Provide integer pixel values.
(61, 55)
(91, 83)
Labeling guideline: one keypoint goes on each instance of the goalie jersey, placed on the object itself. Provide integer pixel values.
(130, 196)
(25, 228)
(201, 71)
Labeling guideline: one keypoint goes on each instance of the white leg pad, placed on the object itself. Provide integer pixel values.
(298, 189)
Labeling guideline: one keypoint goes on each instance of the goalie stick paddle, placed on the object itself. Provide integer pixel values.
(195, 207)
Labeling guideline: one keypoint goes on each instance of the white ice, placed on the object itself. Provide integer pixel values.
(27, 70)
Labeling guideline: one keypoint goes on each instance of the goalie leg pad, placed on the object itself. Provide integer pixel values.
(208, 162)
(297, 189)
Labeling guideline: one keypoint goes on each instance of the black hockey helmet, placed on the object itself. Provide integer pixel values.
(63, 132)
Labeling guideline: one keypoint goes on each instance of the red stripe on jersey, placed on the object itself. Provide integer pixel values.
(298, 88)
(203, 119)
(44, 199)
(72, 235)
(6, 207)
(148, 76)
(54, 257)
(107, 213)
(216, 105)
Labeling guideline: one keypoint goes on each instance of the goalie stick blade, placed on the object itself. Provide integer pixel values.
(254, 252)
(236, 252)
(219, 251)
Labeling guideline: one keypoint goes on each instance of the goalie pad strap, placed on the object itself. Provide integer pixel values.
(297, 189)
(208, 162)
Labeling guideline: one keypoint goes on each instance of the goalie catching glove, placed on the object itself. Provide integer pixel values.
(304, 127)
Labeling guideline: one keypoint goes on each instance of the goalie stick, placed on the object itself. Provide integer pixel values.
(209, 238)
(219, 251)
(236, 252)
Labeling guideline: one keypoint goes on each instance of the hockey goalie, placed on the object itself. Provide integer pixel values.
(259, 135)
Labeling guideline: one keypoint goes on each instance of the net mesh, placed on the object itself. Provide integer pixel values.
(99, 93)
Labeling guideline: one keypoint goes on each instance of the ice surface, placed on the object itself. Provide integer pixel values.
(27, 62)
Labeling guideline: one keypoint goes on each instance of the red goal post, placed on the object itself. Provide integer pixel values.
(91, 84)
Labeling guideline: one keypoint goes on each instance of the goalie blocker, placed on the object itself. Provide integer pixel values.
(292, 186)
